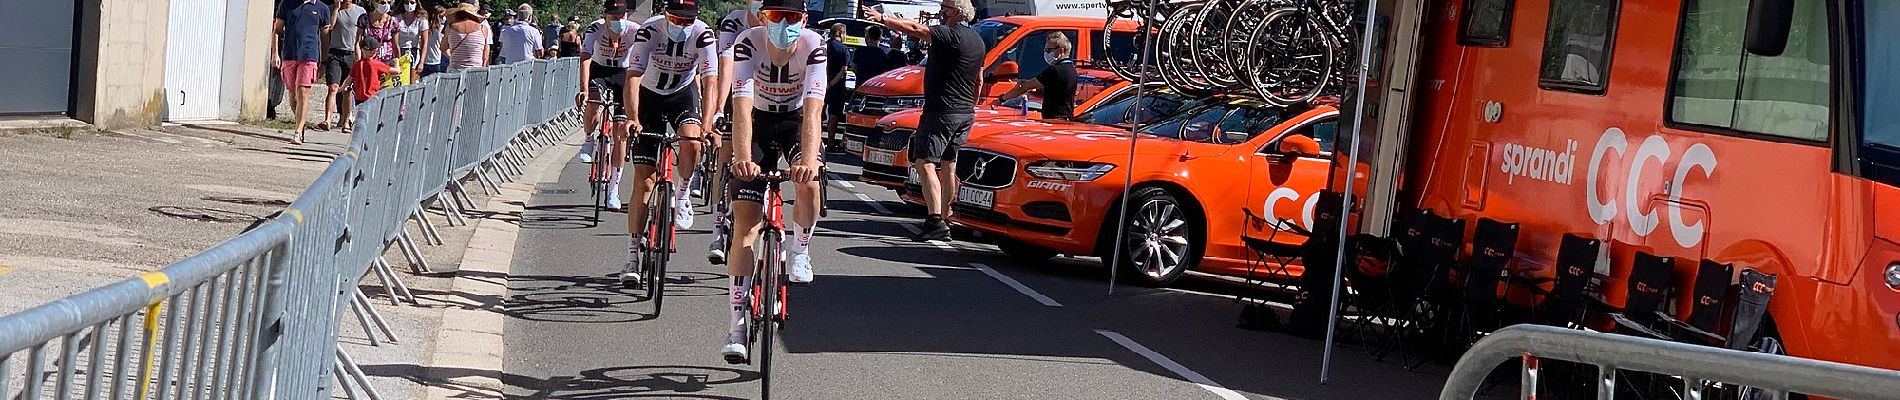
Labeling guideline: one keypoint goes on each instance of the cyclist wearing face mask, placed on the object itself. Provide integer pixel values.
(672, 64)
(734, 23)
(778, 93)
(606, 44)
(1057, 82)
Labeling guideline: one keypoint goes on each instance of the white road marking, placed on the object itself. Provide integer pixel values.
(874, 204)
(1172, 366)
(842, 182)
(1026, 291)
(186, 138)
(940, 244)
(914, 230)
(151, 138)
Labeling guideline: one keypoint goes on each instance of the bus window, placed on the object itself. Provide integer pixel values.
(1879, 153)
(1718, 84)
(1577, 45)
(1121, 47)
(1486, 23)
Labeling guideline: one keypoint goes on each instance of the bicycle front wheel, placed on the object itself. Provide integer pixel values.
(769, 276)
(659, 242)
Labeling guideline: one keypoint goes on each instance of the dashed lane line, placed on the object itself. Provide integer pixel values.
(842, 182)
(1026, 291)
(1171, 366)
(873, 203)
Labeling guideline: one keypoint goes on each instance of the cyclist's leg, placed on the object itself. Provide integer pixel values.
(618, 156)
(646, 155)
(804, 214)
(588, 116)
(683, 110)
(748, 199)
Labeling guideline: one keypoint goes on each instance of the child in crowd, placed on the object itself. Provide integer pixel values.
(369, 73)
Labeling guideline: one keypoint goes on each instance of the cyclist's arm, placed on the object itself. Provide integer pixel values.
(723, 84)
(636, 61)
(708, 72)
(808, 132)
(742, 86)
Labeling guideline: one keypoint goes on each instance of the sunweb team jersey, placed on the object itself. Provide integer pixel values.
(775, 85)
(729, 29)
(609, 44)
(669, 63)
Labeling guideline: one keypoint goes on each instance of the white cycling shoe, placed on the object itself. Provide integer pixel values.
(801, 268)
(734, 351)
(587, 152)
(683, 213)
(613, 200)
(716, 254)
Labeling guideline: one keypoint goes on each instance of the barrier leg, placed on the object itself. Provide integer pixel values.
(459, 195)
(421, 217)
(357, 308)
(342, 381)
(381, 324)
(417, 264)
(481, 175)
(356, 373)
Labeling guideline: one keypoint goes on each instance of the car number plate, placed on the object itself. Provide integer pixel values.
(913, 177)
(853, 146)
(880, 157)
(976, 197)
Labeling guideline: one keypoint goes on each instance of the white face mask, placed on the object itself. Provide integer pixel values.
(382, 8)
(411, 7)
(783, 35)
(619, 27)
(755, 6)
(676, 32)
(1052, 57)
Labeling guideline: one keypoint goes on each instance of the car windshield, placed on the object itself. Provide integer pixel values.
(1879, 151)
(993, 32)
(1198, 125)
(1154, 105)
(1248, 122)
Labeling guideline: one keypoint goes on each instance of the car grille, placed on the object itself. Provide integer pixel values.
(985, 169)
(876, 105)
(885, 173)
(861, 133)
(1047, 210)
(894, 139)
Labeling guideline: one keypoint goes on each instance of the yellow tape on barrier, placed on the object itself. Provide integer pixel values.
(151, 342)
(294, 214)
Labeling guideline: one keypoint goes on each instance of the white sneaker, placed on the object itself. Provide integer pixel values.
(613, 199)
(734, 351)
(716, 254)
(630, 277)
(683, 213)
(801, 268)
(587, 152)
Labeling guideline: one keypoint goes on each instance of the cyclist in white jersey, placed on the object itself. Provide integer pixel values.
(778, 94)
(672, 63)
(606, 44)
(729, 28)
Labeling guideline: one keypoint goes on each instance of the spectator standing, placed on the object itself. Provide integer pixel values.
(836, 95)
(570, 41)
(950, 85)
(378, 23)
(551, 33)
(465, 39)
(341, 54)
(520, 41)
(299, 28)
(1057, 82)
(368, 75)
(874, 58)
(432, 51)
(411, 38)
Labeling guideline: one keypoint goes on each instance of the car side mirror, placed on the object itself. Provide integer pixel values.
(1768, 23)
(1299, 146)
(1008, 70)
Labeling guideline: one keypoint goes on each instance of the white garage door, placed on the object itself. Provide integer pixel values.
(194, 55)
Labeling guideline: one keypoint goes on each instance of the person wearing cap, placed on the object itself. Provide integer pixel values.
(778, 97)
(299, 26)
(520, 41)
(950, 86)
(730, 26)
(464, 40)
(672, 63)
(605, 46)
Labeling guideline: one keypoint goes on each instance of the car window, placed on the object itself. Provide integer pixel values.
(1027, 53)
(1121, 47)
(1248, 122)
(1326, 132)
(1198, 125)
(1155, 105)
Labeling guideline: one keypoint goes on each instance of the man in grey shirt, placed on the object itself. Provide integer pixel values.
(520, 41)
(339, 55)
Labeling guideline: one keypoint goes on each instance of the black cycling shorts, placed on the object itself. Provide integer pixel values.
(336, 67)
(616, 82)
(660, 113)
(774, 137)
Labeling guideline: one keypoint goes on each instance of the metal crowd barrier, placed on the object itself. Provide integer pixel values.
(1697, 366)
(257, 316)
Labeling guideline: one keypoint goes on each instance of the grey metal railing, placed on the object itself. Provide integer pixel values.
(1698, 367)
(257, 316)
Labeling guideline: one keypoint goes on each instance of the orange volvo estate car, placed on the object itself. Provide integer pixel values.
(1015, 45)
(885, 155)
(1053, 190)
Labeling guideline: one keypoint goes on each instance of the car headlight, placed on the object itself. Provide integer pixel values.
(1893, 276)
(1068, 170)
(904, 103)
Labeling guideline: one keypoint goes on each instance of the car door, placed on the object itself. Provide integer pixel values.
(1282, 189)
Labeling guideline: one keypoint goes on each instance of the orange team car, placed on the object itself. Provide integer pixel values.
(1015, 45)
(885, 154)
(1049, 190)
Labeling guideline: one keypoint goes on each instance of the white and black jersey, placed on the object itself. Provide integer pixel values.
(730, 27)
(778, 86)
(607, 46)
(668, 65)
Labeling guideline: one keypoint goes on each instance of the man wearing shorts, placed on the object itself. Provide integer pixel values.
(336, 64)
(734, 23)
(950, 82)
(606, 45)
(299, 28)
(777, 95)
(835, 92)
(673, 56)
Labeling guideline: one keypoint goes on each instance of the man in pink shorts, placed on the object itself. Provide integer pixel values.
(300, 25)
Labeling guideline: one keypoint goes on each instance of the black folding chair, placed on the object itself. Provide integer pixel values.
(1649, 283)
(1569, 300)
(1493, 246)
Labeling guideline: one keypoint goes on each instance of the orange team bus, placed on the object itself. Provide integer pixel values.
(1762, 133)
(1015, 50)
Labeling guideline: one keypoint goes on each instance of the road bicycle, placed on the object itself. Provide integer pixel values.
(600, 174)
(1287, 52)
(1303, 51)
(661, 230)
(766, 310)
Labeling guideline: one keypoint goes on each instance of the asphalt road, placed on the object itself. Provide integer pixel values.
(888, 318)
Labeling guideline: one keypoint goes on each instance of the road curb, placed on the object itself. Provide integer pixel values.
(465, 361)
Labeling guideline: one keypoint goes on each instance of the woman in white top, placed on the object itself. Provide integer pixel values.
(410, 35)
(432, 36)
(465, 40)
